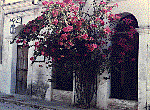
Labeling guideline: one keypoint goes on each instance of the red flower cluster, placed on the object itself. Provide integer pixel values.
(32, 59)
(67, 29)
(37, 45)
(55, 21)
(91, 47)
(40, 17)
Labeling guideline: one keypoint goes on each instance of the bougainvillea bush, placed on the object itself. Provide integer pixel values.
(68, 34)
(70, 37)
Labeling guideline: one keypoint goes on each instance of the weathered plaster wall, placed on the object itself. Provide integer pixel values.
(143, 70)
(9, 57)
(139, 8)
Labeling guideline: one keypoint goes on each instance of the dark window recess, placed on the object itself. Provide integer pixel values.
(63, 76)
(124, 75)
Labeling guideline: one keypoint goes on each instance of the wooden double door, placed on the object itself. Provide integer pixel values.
(22, 69)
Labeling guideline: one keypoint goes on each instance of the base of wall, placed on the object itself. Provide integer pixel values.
(62, 95)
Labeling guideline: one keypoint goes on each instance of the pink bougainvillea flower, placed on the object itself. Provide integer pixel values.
(64, 36)
(47, 9)
(36, 45)
(60, 43)
(111, 17)
(93, 25)
(107, 30)
(27, 30)
(58, 2)
(30, 22)
(76, 8)
(24, 42)
(133, 30)
(79, 23)
(43, 26)
(133, 59)
(73, 21)
(58, 58)
(62, 56)
(54, 13)
(40, 17)
(34, 29)
(57, 31)
(117, 16)
(84, 36)
(40, 65)
(55, 21)
(105, 10)
(53, 59)
(81, 2)
(51, 2)
(120, 61)
(24, 25)
(122, 53)
(91, 38)
(45, 2)
(91, 49)
(62, 5)
(18, 41)
(70, 43)
(110, 8)
(98, 19)
(94, 45)
(102, 2)
(128, 21)
(130, 35)
(78, 37)
(32, 59)
(104, 56)
(75, 12)
(103, 42)
(67, 29)
(116, 4)
(42, 53)
(102, 22)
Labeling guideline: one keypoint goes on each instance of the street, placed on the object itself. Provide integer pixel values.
(13, 106)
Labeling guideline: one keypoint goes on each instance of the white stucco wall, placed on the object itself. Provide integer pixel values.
(9, 57)
(139, 8)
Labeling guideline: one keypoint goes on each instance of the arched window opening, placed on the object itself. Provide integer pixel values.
(124, 59)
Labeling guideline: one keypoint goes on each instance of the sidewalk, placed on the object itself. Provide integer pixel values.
(39, 104)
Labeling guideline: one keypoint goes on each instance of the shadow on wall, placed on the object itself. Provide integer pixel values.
(39, 87)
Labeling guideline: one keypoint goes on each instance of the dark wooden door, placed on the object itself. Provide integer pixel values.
(124, 74)
(22, 69)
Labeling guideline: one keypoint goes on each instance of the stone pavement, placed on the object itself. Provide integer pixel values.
(39, 104)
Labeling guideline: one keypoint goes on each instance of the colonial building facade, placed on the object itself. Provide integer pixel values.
(17, 73)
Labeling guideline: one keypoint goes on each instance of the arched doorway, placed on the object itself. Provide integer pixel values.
(124, 71)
